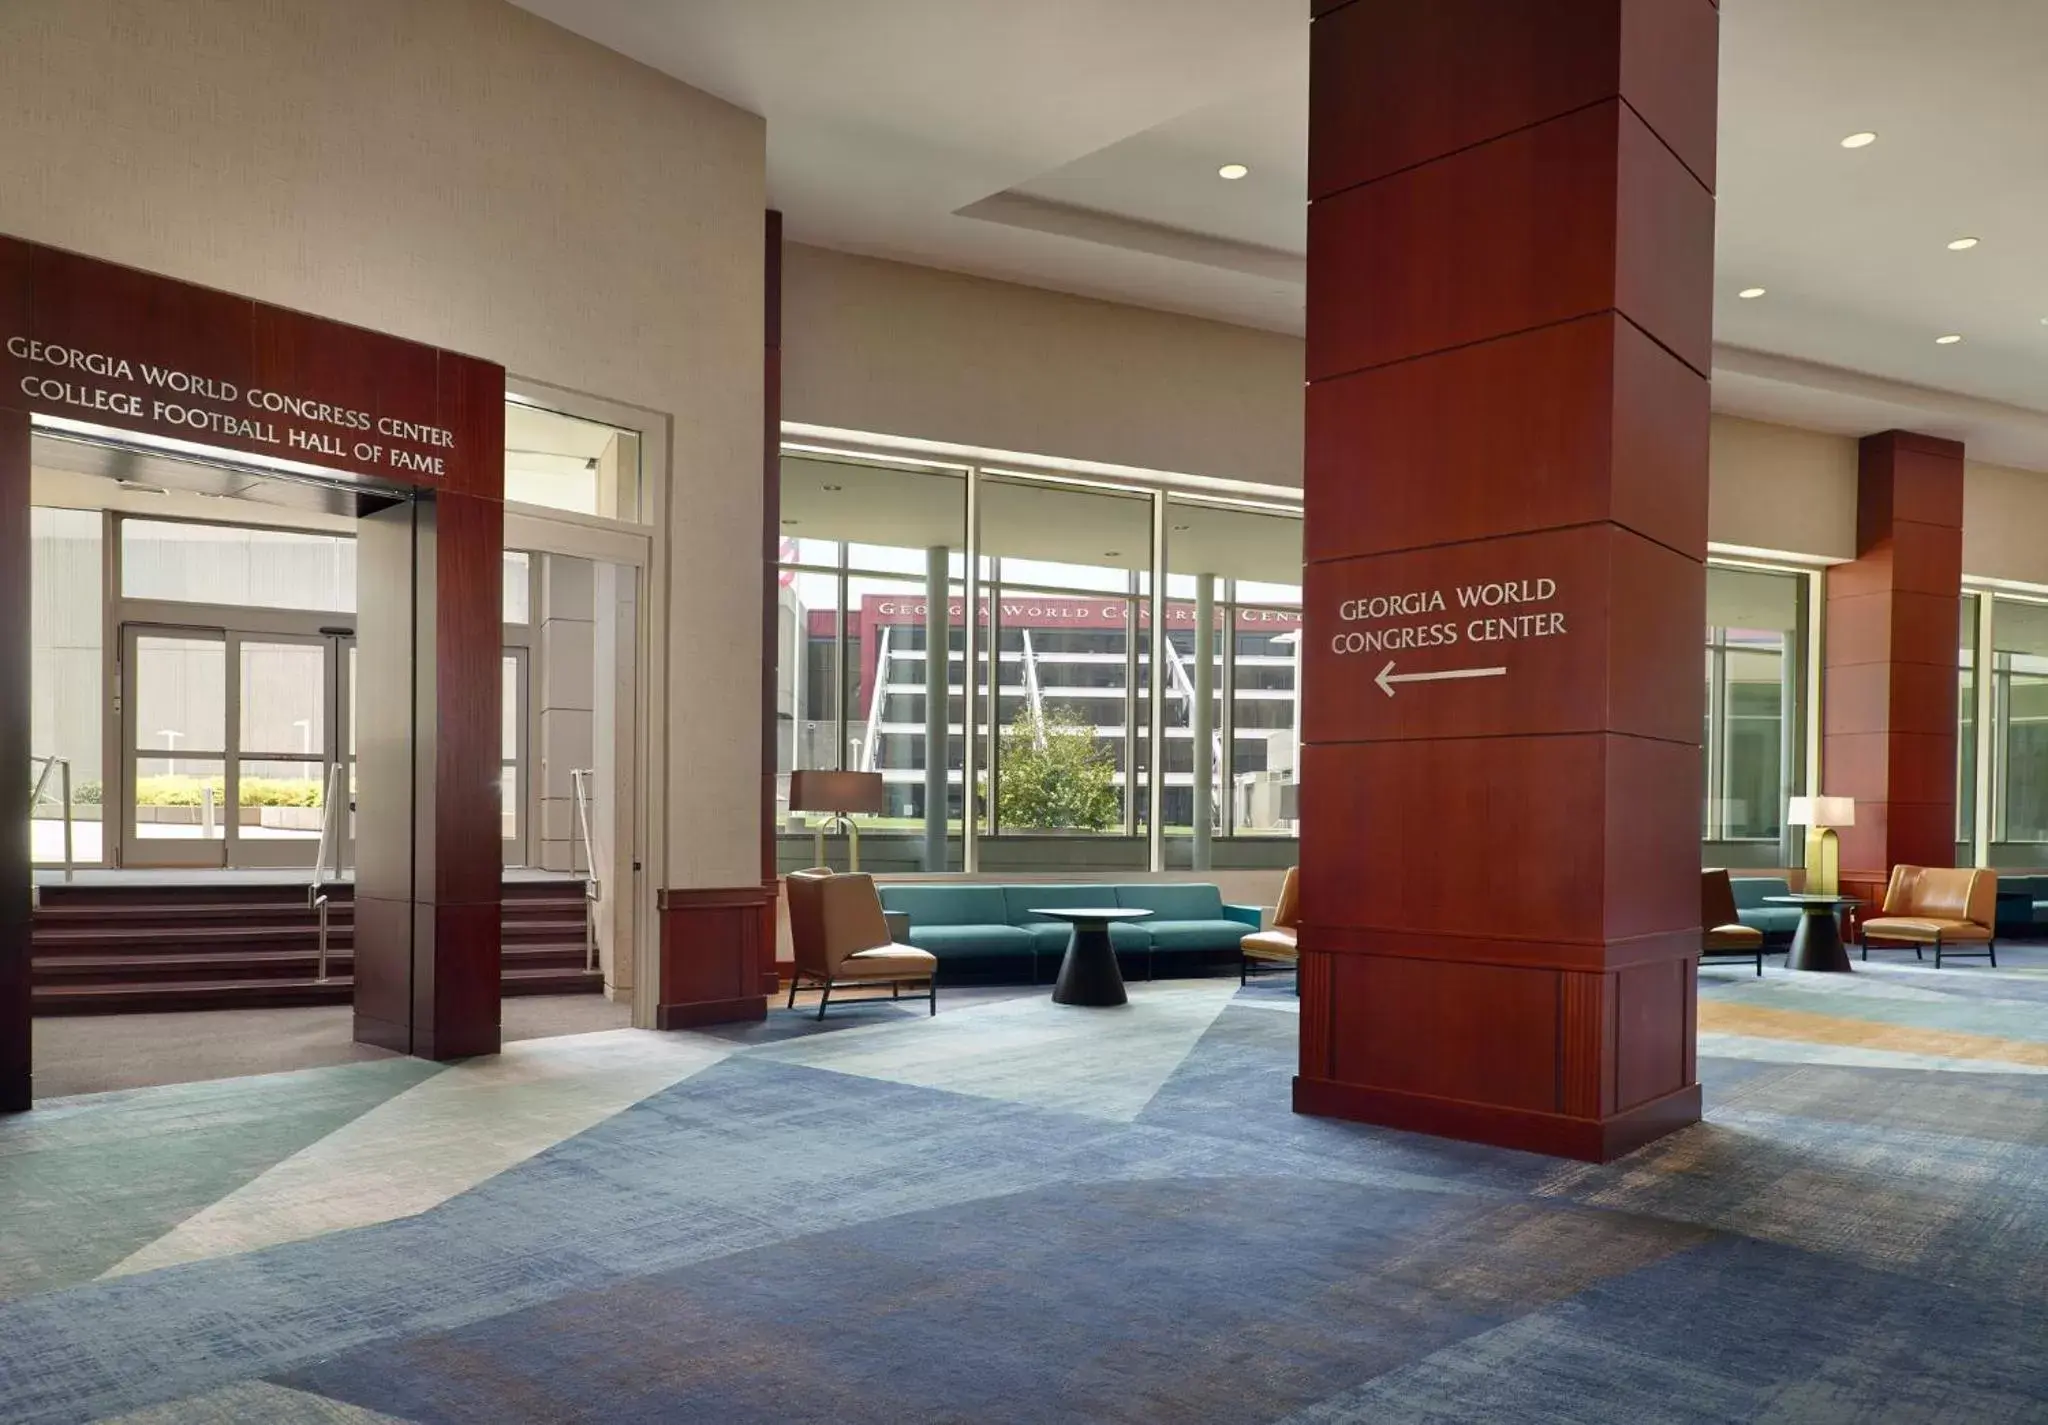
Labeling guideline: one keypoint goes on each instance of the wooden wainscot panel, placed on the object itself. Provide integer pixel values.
(1482, 1033)
(712, 950)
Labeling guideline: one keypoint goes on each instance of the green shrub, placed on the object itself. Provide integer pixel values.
(88, 794)
(256, 791)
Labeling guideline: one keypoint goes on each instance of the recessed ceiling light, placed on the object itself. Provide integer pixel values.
(1750, 294)
(1950, 340)
(789, 522)
(1232, 171)
(1180, 527)
(833, 488)
(1112, 554)
(1862, 140)
(1962, 244)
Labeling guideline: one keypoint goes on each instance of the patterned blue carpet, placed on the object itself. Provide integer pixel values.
(1016, 1212)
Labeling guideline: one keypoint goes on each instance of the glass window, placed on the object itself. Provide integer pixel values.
(1966, 723)
(235, 564)
(1248, 561)
(563, 462)
(1751, 733)
(857, 547)
(518, 586)
(2019, 740)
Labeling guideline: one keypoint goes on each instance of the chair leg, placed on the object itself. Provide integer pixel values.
(824, 999)
(895, 990)
(1992, 946)
(1759, 964)
(1937, 949)
(792, 989)
(934, 997)
(1244, 970)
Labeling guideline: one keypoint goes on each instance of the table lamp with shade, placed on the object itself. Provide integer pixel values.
(1820, 815)
(841, 794)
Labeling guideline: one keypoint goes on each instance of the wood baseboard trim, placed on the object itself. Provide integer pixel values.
(1592, 1140)
(694, 1016)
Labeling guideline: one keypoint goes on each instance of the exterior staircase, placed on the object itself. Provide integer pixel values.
(133, 949)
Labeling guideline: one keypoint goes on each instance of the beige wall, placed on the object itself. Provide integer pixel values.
(464, 174)
(890, 349)
(1772, 487)
(2004, 514)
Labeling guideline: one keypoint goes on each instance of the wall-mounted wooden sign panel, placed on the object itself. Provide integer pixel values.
(1527, 635)
(110, 347)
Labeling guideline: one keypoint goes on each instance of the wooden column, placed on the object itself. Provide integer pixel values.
(430, 862)
(1509, 334)
(1890, 703)
(16, 1059)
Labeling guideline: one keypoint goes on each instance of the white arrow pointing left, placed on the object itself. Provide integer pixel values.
(1388, 677)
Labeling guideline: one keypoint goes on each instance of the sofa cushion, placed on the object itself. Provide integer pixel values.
(1019, 900)
(1048, 937)
(932, 905)
(1777, 922)
(1751, 890)
(967, 942)
(1173, 901)
(1130, 935)
(1197, 935)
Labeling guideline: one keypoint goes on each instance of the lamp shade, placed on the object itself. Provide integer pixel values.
(1821, 811)
(836, 791)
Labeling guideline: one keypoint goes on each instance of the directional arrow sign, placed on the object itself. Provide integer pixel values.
(1388, 677)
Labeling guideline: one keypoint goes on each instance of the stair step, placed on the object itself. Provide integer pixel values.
(551, 982)
(130, 998)
(242, 964)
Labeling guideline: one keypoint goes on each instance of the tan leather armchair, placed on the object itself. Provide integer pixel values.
(1274, 946)
(1940, 906)
(841, 940)
(1723, 936)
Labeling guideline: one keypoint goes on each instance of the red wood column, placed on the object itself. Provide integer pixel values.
(1890, 695)
(1509, 333)
(16, 1058)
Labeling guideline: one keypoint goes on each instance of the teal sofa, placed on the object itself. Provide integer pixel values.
(1777, 922)
(986, 934)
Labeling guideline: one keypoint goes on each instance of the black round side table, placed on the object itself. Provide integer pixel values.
(1088, 975)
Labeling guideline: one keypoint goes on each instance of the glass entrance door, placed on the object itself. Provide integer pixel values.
(235, 740)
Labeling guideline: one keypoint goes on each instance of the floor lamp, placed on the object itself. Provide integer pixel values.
(1820, 815)
(840, 794)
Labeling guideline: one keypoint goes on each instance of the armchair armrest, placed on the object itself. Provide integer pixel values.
(1251, 915)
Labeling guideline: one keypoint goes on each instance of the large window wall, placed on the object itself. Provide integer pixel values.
(1077, 756)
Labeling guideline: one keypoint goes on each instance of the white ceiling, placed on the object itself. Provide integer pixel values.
(1073, 144)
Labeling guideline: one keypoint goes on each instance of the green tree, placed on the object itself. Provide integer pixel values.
(1055, 778)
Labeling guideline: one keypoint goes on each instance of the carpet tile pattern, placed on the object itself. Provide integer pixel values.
(1022, 1212)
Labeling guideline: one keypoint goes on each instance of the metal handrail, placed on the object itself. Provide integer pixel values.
(316, 894)
(40, 790)
(593, 888)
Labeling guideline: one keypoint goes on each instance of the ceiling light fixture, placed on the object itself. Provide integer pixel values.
(1862, 140)
(834, 488)
(1962, 244)
(1950, 340)
(1232, 171)
(1750, 294)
